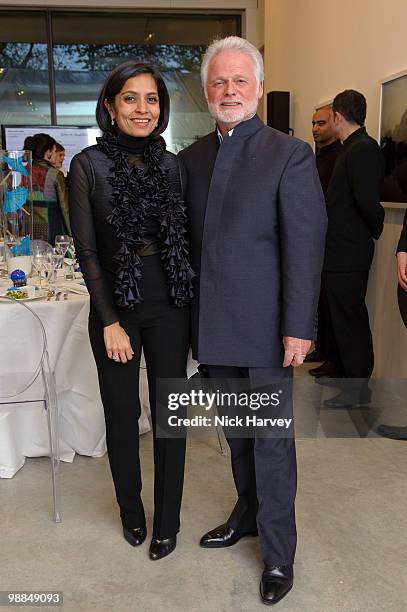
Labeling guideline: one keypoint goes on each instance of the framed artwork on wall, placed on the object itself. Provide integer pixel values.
(393, 136)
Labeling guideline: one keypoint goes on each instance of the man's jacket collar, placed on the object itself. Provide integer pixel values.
(247, 128)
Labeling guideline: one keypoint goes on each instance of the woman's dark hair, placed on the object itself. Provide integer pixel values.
(39, 144)
(352, 105)
(59, 147)
(115, 82)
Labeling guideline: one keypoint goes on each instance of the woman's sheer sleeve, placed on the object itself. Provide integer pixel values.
(84, 235)
(183, 177)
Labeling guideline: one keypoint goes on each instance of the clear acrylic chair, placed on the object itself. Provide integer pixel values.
(194, 371)
(26, 376)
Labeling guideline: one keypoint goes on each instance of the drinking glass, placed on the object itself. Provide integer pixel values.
(53, 261)
(62, 243)
(39, 260)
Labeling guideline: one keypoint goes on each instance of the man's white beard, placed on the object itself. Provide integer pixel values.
(231, 115)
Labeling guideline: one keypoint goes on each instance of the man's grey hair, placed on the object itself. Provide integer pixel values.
(232, 43)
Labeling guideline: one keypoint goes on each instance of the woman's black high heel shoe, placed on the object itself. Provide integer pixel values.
(135, 536)
(162, 548)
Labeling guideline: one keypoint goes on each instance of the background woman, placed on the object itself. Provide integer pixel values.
(58, 158)
(50, 195)
(128, 224)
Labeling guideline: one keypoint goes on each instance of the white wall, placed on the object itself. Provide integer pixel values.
(316, 48)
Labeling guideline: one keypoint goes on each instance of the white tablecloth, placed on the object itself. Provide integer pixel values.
(23, 427)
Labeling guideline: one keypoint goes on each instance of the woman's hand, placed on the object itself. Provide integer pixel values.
(402, 269)
(117, 343)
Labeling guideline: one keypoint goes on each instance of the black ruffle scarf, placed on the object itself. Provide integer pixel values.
(138, 192)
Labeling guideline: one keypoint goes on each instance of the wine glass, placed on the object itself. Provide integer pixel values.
(56, 258)
(53, 261)
(39, 261)
(62, 243)
(3, 267)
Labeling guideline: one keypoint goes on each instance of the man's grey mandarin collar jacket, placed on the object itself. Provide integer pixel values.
(257, 226)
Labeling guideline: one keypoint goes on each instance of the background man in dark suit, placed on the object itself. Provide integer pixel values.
(257, 222)
(328, 148)
(355, 219)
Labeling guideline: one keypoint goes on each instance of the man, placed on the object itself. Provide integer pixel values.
(328, 148)
(257, 222)
(355, 219)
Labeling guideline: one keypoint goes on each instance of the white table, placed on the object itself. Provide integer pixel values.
(23, 428)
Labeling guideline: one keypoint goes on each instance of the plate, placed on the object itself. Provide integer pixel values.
(39, 296)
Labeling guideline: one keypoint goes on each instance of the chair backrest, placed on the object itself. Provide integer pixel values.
(23, 347)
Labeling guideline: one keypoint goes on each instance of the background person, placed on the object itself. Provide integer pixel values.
(355, 220)
(58, 156)
(50, 194)
(128, 224)
(328, 148)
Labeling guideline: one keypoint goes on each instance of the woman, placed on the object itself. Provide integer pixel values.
(129, 230)
(50, 195)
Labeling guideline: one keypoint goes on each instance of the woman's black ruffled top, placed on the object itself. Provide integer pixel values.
(144, 209)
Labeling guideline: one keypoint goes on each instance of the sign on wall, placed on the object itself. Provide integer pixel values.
(73, 139)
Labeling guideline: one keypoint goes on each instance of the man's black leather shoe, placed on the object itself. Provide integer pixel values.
(223, 536)
(136, 536)
(314, 356)
(275, 583)
(162, 548)
(395, 433)
(347, 400)
(328, 368)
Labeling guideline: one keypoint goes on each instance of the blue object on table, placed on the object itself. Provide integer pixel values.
(21, 249)
(16, 165)
(15, 199)
(19, 278)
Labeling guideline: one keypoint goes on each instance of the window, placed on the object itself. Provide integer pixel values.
(86, 46)
(24, 83)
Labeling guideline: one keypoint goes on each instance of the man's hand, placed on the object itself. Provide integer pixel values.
(117, 343)
(295, 351)
(402, 269)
